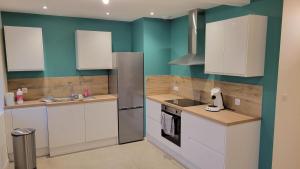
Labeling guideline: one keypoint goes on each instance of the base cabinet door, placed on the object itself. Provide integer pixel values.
(33, 117)
(101, 120)
(153, 110)
(153, 129)
(201, 156)
(66, 125)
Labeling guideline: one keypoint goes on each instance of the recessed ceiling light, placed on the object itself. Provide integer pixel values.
(105, 2)
(107, 13)
(45, 7)
(151, 13)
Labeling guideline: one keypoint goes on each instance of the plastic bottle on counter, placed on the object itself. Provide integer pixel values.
(86, 92)
(19, 96)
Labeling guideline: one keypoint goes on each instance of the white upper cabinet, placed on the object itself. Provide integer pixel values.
(24, 48)
(236, 47)
(94, 50)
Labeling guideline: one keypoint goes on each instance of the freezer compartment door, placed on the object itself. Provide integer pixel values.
(131, 125)
(130, 79)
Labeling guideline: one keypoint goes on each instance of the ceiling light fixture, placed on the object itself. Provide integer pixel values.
(151, 13)
(45, 7)
(107, 13)
(105, 2)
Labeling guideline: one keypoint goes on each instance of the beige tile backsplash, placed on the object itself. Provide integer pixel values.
(199, 89)
(193, 88)
(59, 86)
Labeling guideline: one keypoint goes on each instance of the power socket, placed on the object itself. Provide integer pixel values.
(237, 101)
(176, 88)
(25, 90)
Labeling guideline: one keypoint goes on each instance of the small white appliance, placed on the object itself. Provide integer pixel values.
(217, 99)
(9, 99)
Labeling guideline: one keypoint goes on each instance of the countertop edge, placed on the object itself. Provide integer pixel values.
(36, 103)
(206, 117)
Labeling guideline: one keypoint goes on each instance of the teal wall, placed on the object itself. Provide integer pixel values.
(59, 41)
(270, 8)
(138, 35)
(156, 46)
(152, 36)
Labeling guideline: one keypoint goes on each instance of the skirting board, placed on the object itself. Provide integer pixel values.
(82, 147)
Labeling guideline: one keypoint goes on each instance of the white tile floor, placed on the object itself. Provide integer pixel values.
(139, 155)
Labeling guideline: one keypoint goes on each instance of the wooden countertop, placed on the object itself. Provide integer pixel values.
(224, 117)
(35, 103)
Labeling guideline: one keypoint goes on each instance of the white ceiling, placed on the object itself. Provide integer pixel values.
(126, 10)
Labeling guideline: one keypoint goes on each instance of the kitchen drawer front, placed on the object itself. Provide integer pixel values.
(206, 132)
(153, 129)
(154, 110)
(201, 156)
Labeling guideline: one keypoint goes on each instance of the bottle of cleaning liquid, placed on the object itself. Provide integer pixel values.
(19, 96)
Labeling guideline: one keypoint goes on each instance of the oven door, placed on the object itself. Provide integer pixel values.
(176, 138)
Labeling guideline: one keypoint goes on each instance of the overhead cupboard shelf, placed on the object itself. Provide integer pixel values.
(93, 50)
(24, 48)
(236, 46)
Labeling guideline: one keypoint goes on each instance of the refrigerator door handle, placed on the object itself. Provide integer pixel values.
(128, 108)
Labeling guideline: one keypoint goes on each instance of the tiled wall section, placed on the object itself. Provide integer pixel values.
(199, 89)
(59, 86)
(158, 85)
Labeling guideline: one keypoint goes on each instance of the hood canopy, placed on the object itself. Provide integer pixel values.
(191, 58)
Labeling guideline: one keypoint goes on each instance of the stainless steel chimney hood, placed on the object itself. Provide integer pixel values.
(191, 58)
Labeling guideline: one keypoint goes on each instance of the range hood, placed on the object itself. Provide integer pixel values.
(191, 58)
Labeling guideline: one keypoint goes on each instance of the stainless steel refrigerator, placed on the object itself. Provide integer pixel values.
(126, 80)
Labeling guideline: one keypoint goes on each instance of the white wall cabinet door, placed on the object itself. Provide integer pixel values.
(236, 47)
(34, 117)
(94, 50)
(214, 53)
(24, 48)
(101, 120)
(66, 125)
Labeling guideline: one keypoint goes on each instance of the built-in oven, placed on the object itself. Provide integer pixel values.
(171, 124)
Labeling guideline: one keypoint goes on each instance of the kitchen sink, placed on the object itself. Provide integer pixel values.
(51, 99)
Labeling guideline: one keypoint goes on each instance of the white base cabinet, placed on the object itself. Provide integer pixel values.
(74, 128)
(101, 123)
(206, 144)
(34, 117)
(66, 125)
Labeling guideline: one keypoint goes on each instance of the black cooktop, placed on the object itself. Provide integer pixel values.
(185, 102)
